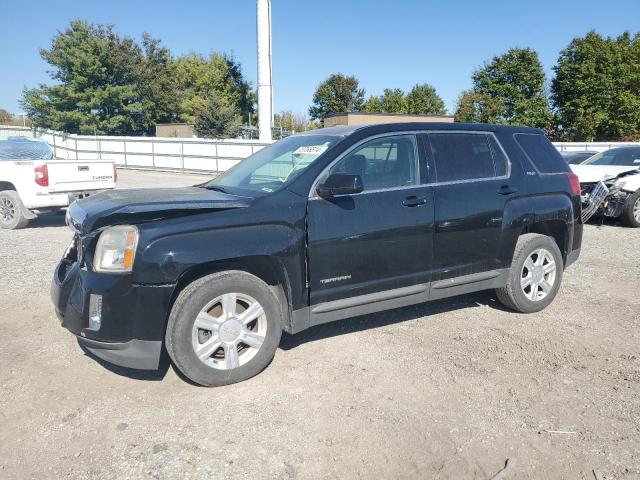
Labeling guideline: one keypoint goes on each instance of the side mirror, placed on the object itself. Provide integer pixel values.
(340, 184)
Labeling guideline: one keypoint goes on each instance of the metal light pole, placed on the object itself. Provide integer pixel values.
(265, 100)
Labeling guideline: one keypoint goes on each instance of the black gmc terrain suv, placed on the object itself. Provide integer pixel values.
(317, 227)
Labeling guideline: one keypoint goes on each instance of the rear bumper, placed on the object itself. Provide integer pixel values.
(47, 200)
(133, 317)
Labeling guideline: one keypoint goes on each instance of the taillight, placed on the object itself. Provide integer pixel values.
(42, 175)
(115, 173)
(574, 182)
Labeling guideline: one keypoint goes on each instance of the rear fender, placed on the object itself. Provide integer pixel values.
(549, 214)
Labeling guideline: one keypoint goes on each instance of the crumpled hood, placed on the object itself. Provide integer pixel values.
(595, 173)
(131, 206)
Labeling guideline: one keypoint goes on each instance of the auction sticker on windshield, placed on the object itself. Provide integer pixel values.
(310, 150)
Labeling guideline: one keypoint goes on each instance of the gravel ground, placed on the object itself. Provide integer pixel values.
(450, 389)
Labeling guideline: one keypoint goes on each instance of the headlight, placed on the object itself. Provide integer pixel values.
(116, 249)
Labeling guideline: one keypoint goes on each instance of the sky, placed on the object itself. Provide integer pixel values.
(384, 44)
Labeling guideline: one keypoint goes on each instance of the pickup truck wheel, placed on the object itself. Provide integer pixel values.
(224, 328)
(631, 212)
(11, 211)
(535, 274)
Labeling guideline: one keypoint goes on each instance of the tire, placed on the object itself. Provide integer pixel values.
(12, 211)
(519, 296)
(631, 211)
(209, 299)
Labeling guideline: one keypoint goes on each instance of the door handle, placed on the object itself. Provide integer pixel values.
(413, 201)
(506, 190)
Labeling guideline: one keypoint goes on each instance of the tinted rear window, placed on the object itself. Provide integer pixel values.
(541, 152)
(466, 156)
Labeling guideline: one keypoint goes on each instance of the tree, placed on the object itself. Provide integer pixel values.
(373, 104)
(392, 100)
(97, 90)
(337, 94)
(200, 78)
(474, 107)
(515, 83)
(293, 122)
(423, 99)
(156, 85)
(596, 89)
(215, 118)
(5, 116)
(108, 84)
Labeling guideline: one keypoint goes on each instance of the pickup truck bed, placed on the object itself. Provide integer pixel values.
(32, 185)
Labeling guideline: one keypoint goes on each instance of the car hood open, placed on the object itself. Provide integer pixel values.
(595, 173)
(135, 206)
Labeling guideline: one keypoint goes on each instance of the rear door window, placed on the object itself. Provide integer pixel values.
(541, 152)
(466, 156)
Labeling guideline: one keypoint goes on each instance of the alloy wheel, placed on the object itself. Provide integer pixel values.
(7, 210)
(538, 275)
(636, 210)
(229, 331)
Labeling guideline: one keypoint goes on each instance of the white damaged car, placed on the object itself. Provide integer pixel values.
(610, 183)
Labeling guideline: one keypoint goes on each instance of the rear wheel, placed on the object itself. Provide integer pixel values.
(631, 212)
(535, 274)
(11, 211)
(224, 328)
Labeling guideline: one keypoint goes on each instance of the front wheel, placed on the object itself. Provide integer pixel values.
(224, 328)
(631, 212)
(11, 211)
(535, 274)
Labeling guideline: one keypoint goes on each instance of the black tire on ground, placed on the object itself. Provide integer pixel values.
(512, 295)
(193, 299)
(12, 211)
(628, 216)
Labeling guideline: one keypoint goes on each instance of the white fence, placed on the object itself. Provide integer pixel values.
(196, 154)
(589, 146)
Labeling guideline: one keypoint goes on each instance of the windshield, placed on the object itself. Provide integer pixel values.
(616, 156)
(274, 166)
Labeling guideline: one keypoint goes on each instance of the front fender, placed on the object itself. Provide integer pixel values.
(165, 259)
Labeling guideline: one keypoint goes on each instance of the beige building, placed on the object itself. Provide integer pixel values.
(175, 130)
(362, 118)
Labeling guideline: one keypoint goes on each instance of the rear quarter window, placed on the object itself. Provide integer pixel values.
(544, 156)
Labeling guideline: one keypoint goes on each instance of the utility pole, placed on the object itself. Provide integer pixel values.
(265, 99)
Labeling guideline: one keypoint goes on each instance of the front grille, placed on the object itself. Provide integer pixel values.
(587, 187)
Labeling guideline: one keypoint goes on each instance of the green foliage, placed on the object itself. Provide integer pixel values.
(200, 78)
(596, 90)
(108, 84)
(508, 90)
(422, 99)
(337, 94)
(475, 107)
(215, 118)
(97, 93)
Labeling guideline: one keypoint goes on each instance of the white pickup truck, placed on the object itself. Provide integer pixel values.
(32, 182)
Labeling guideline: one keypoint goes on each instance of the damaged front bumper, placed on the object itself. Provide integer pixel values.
(602, 198)
(132, 317)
